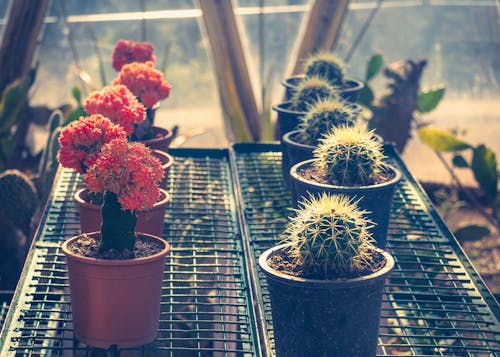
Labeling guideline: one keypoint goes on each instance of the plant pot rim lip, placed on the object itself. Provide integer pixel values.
(170, 158)
(289, 140)
(166, 135)
(355, 84)
(295, 168)
(323, 283)
(283, 107)
(116, 262)
(81, 202)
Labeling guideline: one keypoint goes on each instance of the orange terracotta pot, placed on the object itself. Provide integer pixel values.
(161, 140)
(116, 302)
(149, 221)
(166, 163)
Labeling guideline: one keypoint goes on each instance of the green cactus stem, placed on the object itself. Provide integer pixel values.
(349, 156)
(118, 226)
(329, 233)
(311, 90)
(326, 65)
(325, 115)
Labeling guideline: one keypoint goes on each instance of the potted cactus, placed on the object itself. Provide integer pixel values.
(320, 118)
(350, 161)
(116, 274)
(326, 281)
(134, 62)
(310, 90)
(329, 66)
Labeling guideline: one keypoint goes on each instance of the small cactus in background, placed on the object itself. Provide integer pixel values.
(311, 90)
(325, 65)
(19, 199)
(323, 116)
(349, 156)
(329, 233)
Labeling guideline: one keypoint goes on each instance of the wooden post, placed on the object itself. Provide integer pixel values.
(25, 20)
(319, 31)
(233, 79)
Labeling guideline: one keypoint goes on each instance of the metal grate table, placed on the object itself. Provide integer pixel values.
(227, 207)
(434, 304)
(206, 306)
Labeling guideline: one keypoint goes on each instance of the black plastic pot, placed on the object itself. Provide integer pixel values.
(325, 317)
(295, 152)
(349, 91)
(288, 120)
(375, 199)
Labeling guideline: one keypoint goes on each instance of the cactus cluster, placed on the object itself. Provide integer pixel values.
(19, 198)
(349, 156)
(329, 233)
(325, 65)
(311, 90)
(323, 116)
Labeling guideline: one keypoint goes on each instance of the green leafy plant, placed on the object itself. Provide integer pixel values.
(483, 165)
(323, 116)
(349, 156)
(12, 101)
(329, 233)
(311, 90)
(398, 109)
(325, 65)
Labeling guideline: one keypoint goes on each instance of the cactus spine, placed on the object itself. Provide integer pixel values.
(349, 156)
(310, 90)
(329, 233)
(326, 65)
(323, 116)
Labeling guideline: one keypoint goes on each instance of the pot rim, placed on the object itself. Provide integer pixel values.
(289, 139)
(81, 202)
(283, 107)
(116, 262)
(323, 283)
(295, 168)
(354, 83)
(166, 135)
(169, 158)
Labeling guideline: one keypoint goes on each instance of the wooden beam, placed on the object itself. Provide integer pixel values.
(233, 79)
(20, 36)
(319, 31)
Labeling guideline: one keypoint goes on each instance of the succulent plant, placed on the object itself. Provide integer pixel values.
(329, 233)
(19, 199)
(349, 156)
(325, 65)
(310, 90)
(323, 116)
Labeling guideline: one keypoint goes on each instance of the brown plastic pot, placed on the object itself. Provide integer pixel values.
(166, 161)
(149, 221)
(115, 302)
(161, 140)
(375, 199)
(314, 317)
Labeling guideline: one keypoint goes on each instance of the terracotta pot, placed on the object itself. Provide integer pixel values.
(350, 89)
(166, 163)
(149, 221)
(314, 317)
(116, 302)
(375, 199)
(161, 140)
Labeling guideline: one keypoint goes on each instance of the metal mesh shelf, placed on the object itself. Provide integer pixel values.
(206, 306)
(435, 304)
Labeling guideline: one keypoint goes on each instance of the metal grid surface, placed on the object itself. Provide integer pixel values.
(206, 308)
(435, 304)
